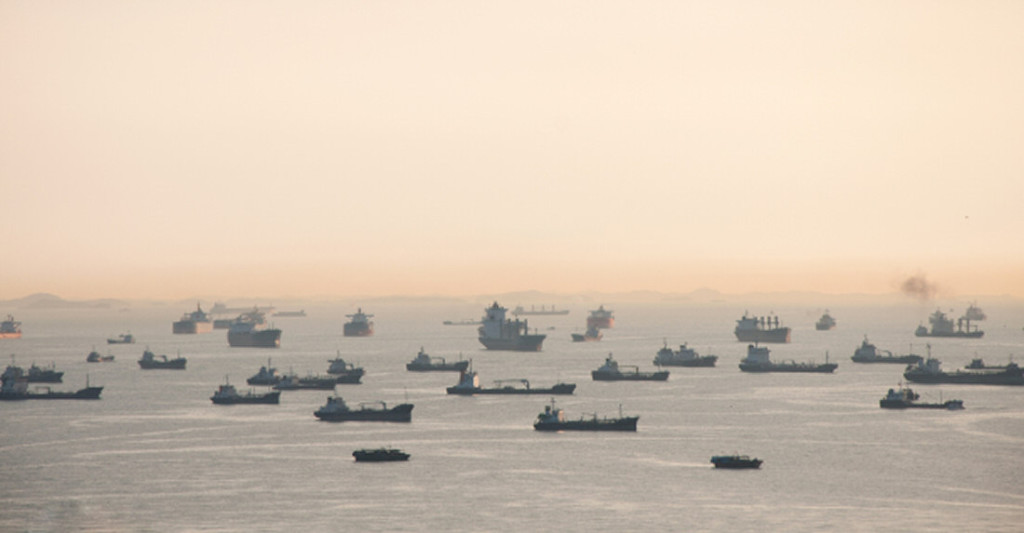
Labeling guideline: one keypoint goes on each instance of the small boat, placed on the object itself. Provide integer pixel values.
(735, 461)
(266, 376)
(825, 323)
(337, 411)
(683, 357)
(124, 338)
(905, 398)
(95, 357)
(378, 455)
(227, 395)
(293, 382)
(10, 328)
(610, 371)
(15, 389)
(591, 335)
(553, 419)
(153, 362)
(359, 326)
(344, 372)
(757, 360)
(425, 363)
(469, 384)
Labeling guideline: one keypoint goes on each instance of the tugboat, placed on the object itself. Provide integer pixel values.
(124, 338)
(609, 371)
(943, 326)
(360, 325)
(592, 335)
(553, 419)
(735, 461)
(378, 455)
(929, 371)
(344, 372)
(867, 353)
(757, 361)
(195, 322)
(425, 363)
(760, 329)
(469, 384)
(95, 357)
(250, 330)
(227, 395)
(266, 376)
(10, 328)
(498, 333)
(825, 323)
(13, 389)
(337, 411)
(542, 311)
(904, 398)
(683, 357)
(601, 318)
(150, 362)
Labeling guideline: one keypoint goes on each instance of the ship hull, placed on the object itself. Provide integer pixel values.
(617, 424)
(903, 359)
(966, 378)
(827, 368)
(460, 366)
(379, 456)
(955, 334)
(600, 323)
(735, 462)
(16, 335)
(268, 398)
(780, 335)
(173, 364)
(640, 376)
(703, 361)
(902, 404)
(577, 337)
(266, 338)
(522, 343)
(357, 330)
(189, 327)
(561, 388)
(399, 413)
(88, 393)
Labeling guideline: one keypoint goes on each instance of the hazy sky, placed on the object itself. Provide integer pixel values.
(168, 149)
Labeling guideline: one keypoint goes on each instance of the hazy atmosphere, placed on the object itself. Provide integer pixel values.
(169, 149)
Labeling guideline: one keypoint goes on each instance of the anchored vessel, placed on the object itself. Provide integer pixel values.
(360, 325)
(542, 311)
(35, 374)
(124, 338)
(293, 382)
(12, 389)
(592, 334)
(760, 329)
(553, 419)
(601, 318)
(10, 328)
(195, 322)
(150, 361)
(227, 395)
(469, 384)
(929, 371)
(867, 353)
(825, 323)
(266, 376)
(426, 363)
(95, 357)
(499, 333)
(250, 330)
(942, 326)
(344, 372)
(735, 461)
(904, 398)
(610, 371)
(757, 360)
(378, 455)
(291, 314)
(337, 411)
(683, 357)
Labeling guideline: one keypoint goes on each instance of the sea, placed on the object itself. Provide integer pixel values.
(154, 454)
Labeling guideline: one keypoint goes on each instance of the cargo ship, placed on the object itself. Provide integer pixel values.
(601, 318)
(591, 335)
(425, 363)
(758, 360)
(360, 325)
(554, 419)
(16, 389)
(904, 398)
(35, 373)
(685, 356)
(867, 353)
(760, 329)
(611, 371)
(942, 326)
(10, 328)
(930, 371)
(197, 321)
(469, 384)
(227, 395)
(344, 372)
(153, 362)
(499, 333)
(539, 312)
(124, 338)
(267, 375)
(250, 330)
(337, 411)
(825, 323)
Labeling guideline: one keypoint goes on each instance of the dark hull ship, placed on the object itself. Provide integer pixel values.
(553, 419)
(337, 411)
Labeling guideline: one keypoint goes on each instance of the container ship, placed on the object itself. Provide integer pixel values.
(499, 333)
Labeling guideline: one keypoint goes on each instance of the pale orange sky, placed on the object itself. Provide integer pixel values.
(167, 149)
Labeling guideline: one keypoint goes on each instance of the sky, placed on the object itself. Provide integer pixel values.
(169, 149)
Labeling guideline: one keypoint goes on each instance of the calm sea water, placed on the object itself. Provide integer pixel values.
(156, 455)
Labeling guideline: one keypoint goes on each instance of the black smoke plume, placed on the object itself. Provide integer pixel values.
(919, 287)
